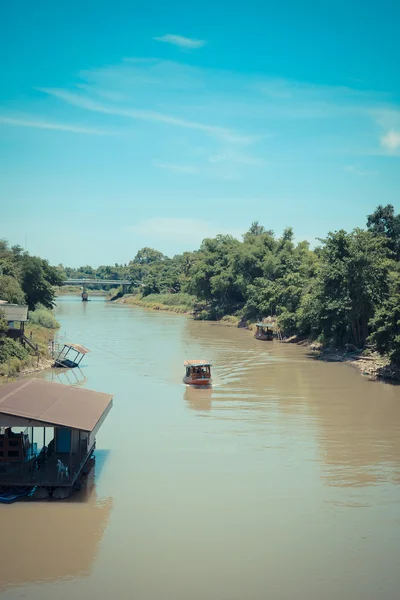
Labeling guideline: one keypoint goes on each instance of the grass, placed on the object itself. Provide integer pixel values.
(76, 290)
(15, 359)
(179, 303)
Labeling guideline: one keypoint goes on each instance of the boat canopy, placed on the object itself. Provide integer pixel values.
(266, 326)
(197, 363)
(77, 347)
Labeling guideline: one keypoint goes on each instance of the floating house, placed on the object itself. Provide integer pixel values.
(48, 435)
(16, 316)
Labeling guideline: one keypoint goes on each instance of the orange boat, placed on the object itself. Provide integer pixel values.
(198, 372)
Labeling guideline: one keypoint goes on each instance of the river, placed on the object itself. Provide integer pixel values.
(280, 483)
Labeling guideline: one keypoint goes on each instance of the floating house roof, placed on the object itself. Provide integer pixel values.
(197, 363)
(39, 403)
(14, 312)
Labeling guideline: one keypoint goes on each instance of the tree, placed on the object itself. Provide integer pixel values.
(385, 324)
(351, 282)
(212, 276)
(385, 223)
(3, 324)
(10, 290)
(37, 281)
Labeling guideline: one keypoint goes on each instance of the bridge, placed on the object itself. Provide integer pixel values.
(87, 281)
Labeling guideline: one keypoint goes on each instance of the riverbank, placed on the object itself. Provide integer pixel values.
(73, 290)
(178, 303)
(368, 363)
(23, 361)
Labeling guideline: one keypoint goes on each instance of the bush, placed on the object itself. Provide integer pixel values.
(11, 368)
(179, 299)
(44, 317)
(10, 349)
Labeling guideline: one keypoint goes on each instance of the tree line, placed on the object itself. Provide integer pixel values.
(345, 291)
(26, 279)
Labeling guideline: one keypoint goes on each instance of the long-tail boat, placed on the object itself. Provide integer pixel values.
(198, 372)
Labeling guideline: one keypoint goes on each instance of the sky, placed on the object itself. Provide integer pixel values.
(127, 124)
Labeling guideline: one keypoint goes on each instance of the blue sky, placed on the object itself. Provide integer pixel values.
(125, 124)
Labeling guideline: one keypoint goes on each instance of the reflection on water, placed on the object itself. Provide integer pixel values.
(50, 541)
(68, 376)
(198, 398)
(280, 482)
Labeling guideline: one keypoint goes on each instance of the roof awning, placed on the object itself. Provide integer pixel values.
(77, 348)
(42, 403)
(197, 363)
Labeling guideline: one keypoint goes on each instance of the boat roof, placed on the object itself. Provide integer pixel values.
(197, 363)
(78, 347)
(266, 325)
(48, 404)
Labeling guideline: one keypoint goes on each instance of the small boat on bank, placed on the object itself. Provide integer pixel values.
(265, 331)
(198, 373)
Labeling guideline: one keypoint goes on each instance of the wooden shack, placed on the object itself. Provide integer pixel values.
(16, 316)
(52, 430)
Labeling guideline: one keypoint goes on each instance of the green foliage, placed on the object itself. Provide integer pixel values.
(37, 279)
(12, 367)
(385, 223)
(11, 290)
(3, 324)
(11, 349)
(385, 324)
(26, 279)
(351, 282)
(44, 317)
(179, 299)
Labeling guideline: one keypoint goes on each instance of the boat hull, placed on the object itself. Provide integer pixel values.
(204, 382)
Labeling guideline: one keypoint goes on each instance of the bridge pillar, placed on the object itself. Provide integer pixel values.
(84, 293)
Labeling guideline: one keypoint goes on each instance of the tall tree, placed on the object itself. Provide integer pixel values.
(383, 221)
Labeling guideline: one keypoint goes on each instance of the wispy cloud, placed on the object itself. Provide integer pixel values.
(391, 141)
(356, 170)
(237, 158)
(146, 115)
(176, 168)
(209, 171)
(173, 229)
(56, 126)
(179, 40)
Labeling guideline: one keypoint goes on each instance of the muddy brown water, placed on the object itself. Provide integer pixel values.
(282, 482)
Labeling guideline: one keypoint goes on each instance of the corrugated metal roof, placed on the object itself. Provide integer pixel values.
(78, 348)
(197, 363)
(14, 312)
(54, 404)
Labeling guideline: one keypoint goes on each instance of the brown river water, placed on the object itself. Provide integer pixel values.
(282, 482)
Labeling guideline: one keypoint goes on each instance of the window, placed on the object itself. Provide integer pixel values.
(13, 443)
(13, 453)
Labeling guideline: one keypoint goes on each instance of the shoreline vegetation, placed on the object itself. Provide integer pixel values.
(369, 363)
(30, 281)
(341, 298)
